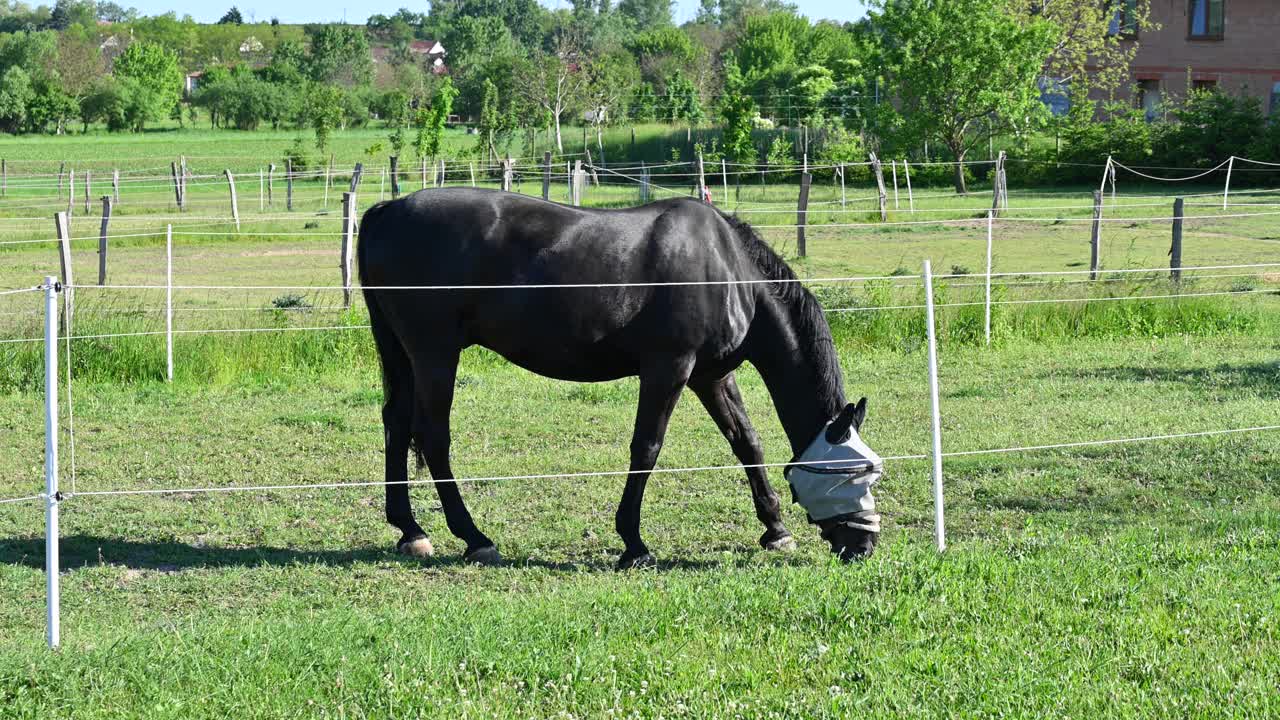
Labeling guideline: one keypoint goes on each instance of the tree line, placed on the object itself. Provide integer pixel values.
(931, 78)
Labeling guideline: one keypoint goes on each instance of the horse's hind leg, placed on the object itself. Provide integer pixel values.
(434, 378)
(397, 423)
(724, 403)
(659, 392)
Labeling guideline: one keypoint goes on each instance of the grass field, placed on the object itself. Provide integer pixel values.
(1132, 580)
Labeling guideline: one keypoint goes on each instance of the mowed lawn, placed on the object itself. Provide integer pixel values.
(1129, 580)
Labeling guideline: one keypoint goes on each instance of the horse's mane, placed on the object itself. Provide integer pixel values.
(807, 318)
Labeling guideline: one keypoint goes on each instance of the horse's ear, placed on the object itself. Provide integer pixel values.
(859, 414)
(839, 429)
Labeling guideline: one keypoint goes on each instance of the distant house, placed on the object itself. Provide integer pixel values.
(431, 51)
(192, 82)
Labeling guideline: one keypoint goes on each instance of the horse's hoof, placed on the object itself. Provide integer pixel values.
(419, 547)
(784, 543)
(487, 555)
(636, 562)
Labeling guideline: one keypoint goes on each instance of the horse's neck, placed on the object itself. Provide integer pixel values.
(803, 399)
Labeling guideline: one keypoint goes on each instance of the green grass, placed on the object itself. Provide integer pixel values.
(1123, 581)
(1132, 580)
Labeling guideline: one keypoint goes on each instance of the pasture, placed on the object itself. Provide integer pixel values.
(1125, 580)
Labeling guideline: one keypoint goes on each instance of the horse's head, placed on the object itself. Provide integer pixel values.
(832, 481)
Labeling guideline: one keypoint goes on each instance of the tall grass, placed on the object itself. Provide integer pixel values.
(291, 355)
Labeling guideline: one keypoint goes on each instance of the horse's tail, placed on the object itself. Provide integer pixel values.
(368, 223)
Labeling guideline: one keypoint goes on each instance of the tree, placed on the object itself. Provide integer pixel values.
(340, 55)
(79, 62)
(1094, 38)
(954, 65)
(737, 110)
(324, 112)
(553, 81)
(16, 95)
(154, 82)
(610, 77)
(232, 17)
(491, 120)
(441, 108)
(647, 14)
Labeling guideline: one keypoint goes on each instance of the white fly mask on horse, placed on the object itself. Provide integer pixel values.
(833, 477)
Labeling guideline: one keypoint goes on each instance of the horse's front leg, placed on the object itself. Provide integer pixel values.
(659, 391)
(724, 403)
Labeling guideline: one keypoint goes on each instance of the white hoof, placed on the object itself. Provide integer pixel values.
(417, 547)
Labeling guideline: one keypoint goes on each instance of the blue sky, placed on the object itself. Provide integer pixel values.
(298, 11)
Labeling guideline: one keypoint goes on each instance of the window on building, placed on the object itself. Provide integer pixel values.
(1206, 19)
(1124, 18)
(1275, 101)
(1204, 85)
(1149, 98)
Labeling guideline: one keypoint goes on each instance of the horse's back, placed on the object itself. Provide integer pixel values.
(648, 280)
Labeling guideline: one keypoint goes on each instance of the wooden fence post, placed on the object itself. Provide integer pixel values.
(997, 185)
(546, 175)
(115, 186)
(88, 188)
(878, 169)
(802, 212)
(235, 205)
(644, 183)
(575, 185)
(844, 198)
(71, 192)
(62, 225)
(506, 174)
(177, 187)
(356, 175)
(423, 173)
(441, 175)
(395, 176)
(471, 168)
(595, 177)
(102, 240)
(1175, 250)
(348, 235)
(4, 177)
(1095, 238)
(62, 168)
(288, 184)
(271, 173)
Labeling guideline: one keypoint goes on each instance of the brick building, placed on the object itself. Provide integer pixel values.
(1232, 45)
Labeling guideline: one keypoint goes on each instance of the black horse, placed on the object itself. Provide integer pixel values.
(674, 292)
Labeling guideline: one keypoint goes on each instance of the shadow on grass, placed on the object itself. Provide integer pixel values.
(82, 551)
(1263, 377)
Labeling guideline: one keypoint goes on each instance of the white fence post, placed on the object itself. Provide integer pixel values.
(1226, 191)
(262, 184)
(168, 301)
(911, 198)
(235, 204)
(939, 523)
(893, 165)
(987, 321)
(52, 566)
